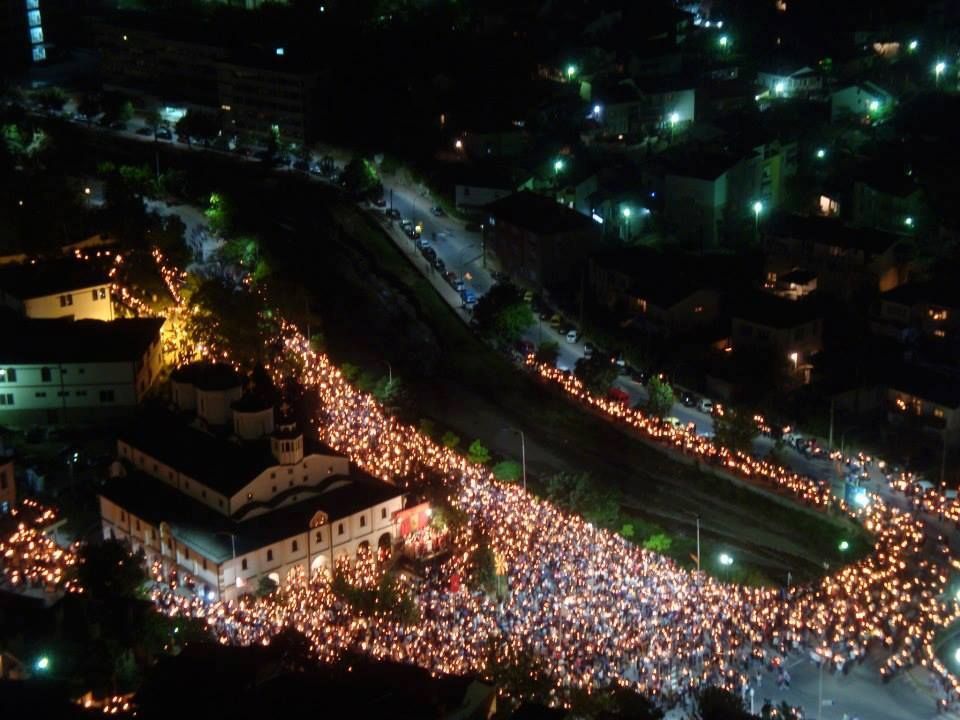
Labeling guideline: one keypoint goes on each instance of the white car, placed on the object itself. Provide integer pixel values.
(572, 336)
(705, 406)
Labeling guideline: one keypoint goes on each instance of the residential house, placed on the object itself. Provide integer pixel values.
(860, 100)
(63, 288)
(929, 396)
(645, 106)
(795, 284)
(794, 328)
(539, 242)
(8, 485)
(664, 294)
(919, 310)
(888, 198)
(59, 370)
(481, 184)
(227, 512)
(847, 260)
(697, 185)
(790, 79)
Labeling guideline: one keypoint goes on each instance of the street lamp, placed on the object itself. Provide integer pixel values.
(938, 70)
(821, 153)
(725, 560)
(724, 41)
(571, 71)
(557, 166)
(42, 664)
(779, 87)
(844, 546)
(874, 105)
(757, 209)
(458, 144)
(627, 212)
(913, 46)
(908, 221)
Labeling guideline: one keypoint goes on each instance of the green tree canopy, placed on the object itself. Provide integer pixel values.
(198, 125)
(660, 398)
(548, 352)
(167, 234)
(735, 429)
(658, 543)
(109, 570)
(508, 471)
(478, 453)
(578, 493)
(715, 703)
(360, 176)
(450, 440)
(597, 373)
(502, 315)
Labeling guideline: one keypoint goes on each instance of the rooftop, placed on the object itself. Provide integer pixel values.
(539, 214)
(207, 375)
(928, 384)
(829, 231)
(76, 341)
(225, 466)
(658, 278)
(698, 162)
(38, 279)
(941, 293)
(773, 311)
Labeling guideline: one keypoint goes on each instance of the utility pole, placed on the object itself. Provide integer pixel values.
(698, 542)
(943, 461)
(523, 456)
(830, 439)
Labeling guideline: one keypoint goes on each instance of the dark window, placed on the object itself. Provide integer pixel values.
(293, 546)
(6, 399)
(81, 393)
(10, 375)
(40, 394)
(106, 396)
(319, 540)
(383, 513)
(363, 521)
(269, 555)
(66, 300)
(45, 375)
(243, 564)
(274, 488)
(340, 529)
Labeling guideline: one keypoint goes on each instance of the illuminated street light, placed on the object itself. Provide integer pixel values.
(42, 664)
(779, 87)
(557, 166)
(913, 46)
(908, 221)
(674, 118)
(725, 559)
(571, 71)
(844, 546)
(861, 499)
(724, 41)
(458, 144)
(597, 110)
(874, 105)
(938, 70)
(821, 154)
(627, 212)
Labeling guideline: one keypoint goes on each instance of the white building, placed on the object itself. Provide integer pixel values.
(791, 81)
(228, 511)
(66, 288)
(60, 370)
(860, 100)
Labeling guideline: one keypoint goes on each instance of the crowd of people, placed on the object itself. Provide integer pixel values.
(590, 607)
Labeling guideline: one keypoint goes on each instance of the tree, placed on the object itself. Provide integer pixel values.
(52, 98)
(577, 493)
(735, 429)
(360, 177)
(202, 126)
(89, 106)
(628, 531)
(167, 234)
(502, 315)
(450, 440)
(478, 453)
(508, 471)
(547, 353)
(117, 108)
(109, 570)
(427, 427)
(266, 586)
(596, 373)
(350, 372)
(660, 398)
(634, 706)
(229, 319)
(152, 118)
(715, 703)
(220, 214)
(658, 543)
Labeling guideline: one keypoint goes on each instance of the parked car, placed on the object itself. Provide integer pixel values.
(525, 347)
(640, 376)
(468, 296)
(587, 350)
(572, 336)
(164, 134)
(422, 243)
(393, 214)
(673, 422)
(379, 202)
(301, 165)
(705, 405)
(450, 277)
(688, 398)
(145, 131)
(459, 285)
(439, 265)
(437, 211)
(429, 253)
(618, 395)
(412, 232)
(473, 227)
(556, 321)
(117, 125)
